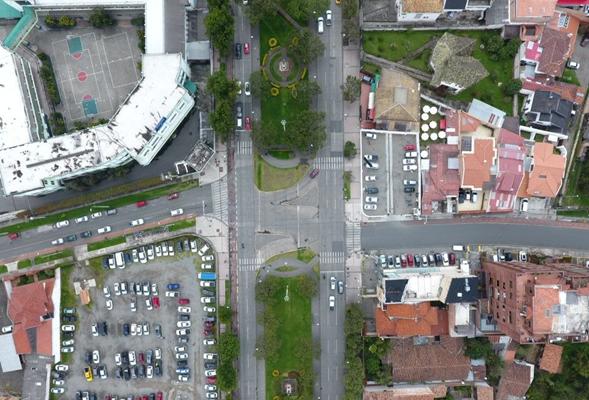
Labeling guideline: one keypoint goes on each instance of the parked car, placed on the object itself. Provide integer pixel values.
(61, 224)
(81, 219)
(585, 39)
(573, 65)
(137, 222)
(314, 173)
(86, 234)
(173, 196)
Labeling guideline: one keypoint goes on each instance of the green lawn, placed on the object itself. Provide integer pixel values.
(53, 256)
(107, 243)
(575, 197)
(347, 182)
(421, 62)
(295, 323)
(396, 45)
(570, 76)
(277, 28)
(26, 263)
(282, 154)
(269, 178)
(186, 223)
(3, 269)
(375, 69)
(304, 255)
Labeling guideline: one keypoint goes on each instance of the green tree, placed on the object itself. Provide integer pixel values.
(267, 289)
(350, 9)
(259, 86)
(220, 27)
(305, 9)
(477, 348)
(141, 39)
(513, 87)
(221, 87)
(221, 119)
(351, 30)
(264, 135)
(257, 10)
(494, 43)
(307, 286)
(227, 377)
(99, 18)
(228, 347)
(225, 314)
(304, 350)
(354, 323)
(350, 150)
(384, 374)
(306, 45)
(351, 89)
(307, 90)
(307, 132)
(353, 378)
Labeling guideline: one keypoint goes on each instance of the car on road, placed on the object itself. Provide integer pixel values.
(340, 287)
(57, 241)
(370, 178)
(332, 303)
(86, 234)
(238, 51)
(61, 224)
(96, 215)
(332, 283)
(248, 124)
(314, 173)
(81, 219)
(106, 229)
(173, 196)
(246, 89)
(573, 65)
(246, 46)
(176, 212)
(13, 235)
(371, 136)
(328, 17)
(137, 222)
(409, 189)
(71, 238)
(141, 203)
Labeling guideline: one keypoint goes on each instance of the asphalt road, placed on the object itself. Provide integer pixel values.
(399, 235)
(191, 201)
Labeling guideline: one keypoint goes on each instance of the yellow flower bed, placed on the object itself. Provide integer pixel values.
(272, 42)
(304, 73)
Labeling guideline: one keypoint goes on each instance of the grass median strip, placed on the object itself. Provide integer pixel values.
(53, 256)
(107, 243)
(347, 181)
(270, 178)
(304, 255)
(187, 223)
(24, 264)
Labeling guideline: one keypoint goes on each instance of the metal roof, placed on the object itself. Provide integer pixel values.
(9, 359)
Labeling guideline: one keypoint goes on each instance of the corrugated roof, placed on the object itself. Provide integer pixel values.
(9, 359)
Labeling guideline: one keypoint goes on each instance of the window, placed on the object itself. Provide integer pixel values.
(418, 16)
(510, 320)
(497, 282)
(511, 284)
(510, 296)
(503, 285)
(563, 21)
(490, 280)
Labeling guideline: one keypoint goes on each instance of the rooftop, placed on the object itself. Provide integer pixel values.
(555, 46)
(547, 173)
(29, 303)
(440, 181)
(420, 319)
(423, 6)
(397, 98)
(476, 160)
(515, 381)
(551, 358)
(567, 91)
(487, 113)
(531, 10)
(510, 172)
(412, 392)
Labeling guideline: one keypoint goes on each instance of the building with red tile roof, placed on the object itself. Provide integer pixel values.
(536, 303)
(484, 392)
(30, 309)
(441, 181)
(567, 91)
(404, 393)
(535, 12)
(551, 358)
(428, 360)
(515, 381)
(420, 319)
(568, 21)
(547, 171)
(555, 49)
(477, 157)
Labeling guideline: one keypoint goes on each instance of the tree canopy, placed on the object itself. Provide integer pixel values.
(306, 45)
(305, 9)
(307, 133)
(351, 89)
(260, 86)
(100, 18)
(228, 346)
(220, 26)
(257, 10)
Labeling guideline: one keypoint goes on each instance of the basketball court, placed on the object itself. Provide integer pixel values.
(95, 74)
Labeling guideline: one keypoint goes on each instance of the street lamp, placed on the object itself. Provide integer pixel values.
(283, 122)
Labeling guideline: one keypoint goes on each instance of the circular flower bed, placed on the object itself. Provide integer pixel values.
(275, 373)
(274, 92)
(273, 42)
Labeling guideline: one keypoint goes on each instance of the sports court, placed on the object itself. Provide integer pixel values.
(95, 73)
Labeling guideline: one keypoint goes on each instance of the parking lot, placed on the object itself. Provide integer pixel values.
(180, 269)
(386, 183)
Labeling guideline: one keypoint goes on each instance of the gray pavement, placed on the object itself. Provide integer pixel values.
(581, 56)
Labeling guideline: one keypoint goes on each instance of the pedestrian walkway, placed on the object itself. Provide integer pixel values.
(290, 163)
(336, 163)
(220, 209)
(301, 267)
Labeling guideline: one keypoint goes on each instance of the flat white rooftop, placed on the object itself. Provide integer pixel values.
(82, 3)
(423, 283)
(14, 125)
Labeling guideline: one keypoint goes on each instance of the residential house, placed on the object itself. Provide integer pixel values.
(441, 180)
(531, 12)
(547, 173)
(567, 91)
(397, 102)
(548, 111)
(486, 113)
(515, 381)
(454, 67)
(412, 392)
(421, 319)
(425, 360)
(478, 154)
(537, 303)
(419, 10)
(546, 58)
(551, 358)
(568, 21)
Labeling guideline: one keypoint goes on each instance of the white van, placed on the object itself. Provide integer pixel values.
(320, 24)
(524, 205)
(458, 247)
(119, 260)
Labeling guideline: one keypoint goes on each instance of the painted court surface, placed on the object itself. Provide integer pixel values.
(94, 73)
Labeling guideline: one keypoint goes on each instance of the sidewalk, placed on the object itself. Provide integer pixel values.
(216, 169)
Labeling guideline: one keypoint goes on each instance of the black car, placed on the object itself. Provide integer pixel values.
(103, 329)
(68, 335)
(126, 330)
(179, 246)
(209, 293)
(409, 189)
(132, 288)
(128, 260)
(126, 374)
(371, 190)
(112, 211)
(78, 395)
(86, 234)
(439, 260)
(182, 363)
(417, 258)
(210, 365)
(105, 263)
(238, 51)
(68, 318)
(71, 238)
(152, 396)
(157, 368)
(125, 358)
(184, 317)
(210, 318)
(88, 357)
(508, 256)
(93, 396)
(58, 375)
(142, 371)
(119, 373)
(158, 331)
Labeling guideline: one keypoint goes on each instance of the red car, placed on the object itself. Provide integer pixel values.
(156, 302)
(452, 258)
(409, 147)
(183, 301)
(410, 259)
(404, 260)
(247, 124)
(246, 48)
(209, 324)
(14, 235)
(141, 203)
(160, 396)
(314, 173)
(141, 358)
(211, 379)
(173, 196)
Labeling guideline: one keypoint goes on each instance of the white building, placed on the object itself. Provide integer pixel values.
(30, 164)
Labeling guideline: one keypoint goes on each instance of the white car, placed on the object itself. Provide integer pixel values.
(132, 358)
(69, 349)
(370, 136)
(59, 390)
(154, 291)
(193, 246)
(373, 165)
(62, 367)
(209, 342)
(109, 305)
(171, 293)
(61, 224)
(96, 215)
(181, 356)
(184, 309)
(183, 324)
(209, 309)
(209, 356)
(211, 395)
(211, 372)
(183, 378)
(118, 359)
(135, 256)
(146, 329)
(174, 213)
(142, 257)
(208, 258)
(150, 252)
(371, 199)
(57, 241)
(332, 302)
(207, 266)
(204, 249)
(573, 65)
(137, 222)
(179, 349)
(106, 229)
(117, 288)
(207, 300)
(81, 219)
(58, 382)
(370, 178)
(133, 329)
(7, 329)
(94, 329)
(409, 168)
(211, 388)
(332, 282)
(239, 87)
(445, 259)
(523, 256)
(148, 304)
(106, 291)
(158, 353)
(411, 154)
(68, 342)
(371, 207)
(139, 330)
(96, 357)
(164, 249)
(182, 332)
(158, 251)
(134, 305)
(409, 161)
(68, 328)
(171, 249)
(246, 89)
(207, 283)
(149, 372)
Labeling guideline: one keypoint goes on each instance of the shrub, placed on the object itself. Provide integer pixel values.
(304, 73)
(274, 91)
(100, 18)
(265, 59)
(275, 373)
(513, 87)
(293, 92)
(138, 21)
(350, 150)
(272, 42)
(225, 315)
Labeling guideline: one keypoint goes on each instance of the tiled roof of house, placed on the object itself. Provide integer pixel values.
(510, 172)
(545, 299)
(551, 358)
(404, 393)
(533, 51)
(484, 392)
(515, 381)
(397, 97)
(476, 164)
(411, 320)
(435, 361)
(452, 122)
(439, 181)
(423, 6)
(567, 91)
(468, 123)
(547, 173)
(555, 46)
(28, 303)
(21, 340)
(43, 337)
(533, 8)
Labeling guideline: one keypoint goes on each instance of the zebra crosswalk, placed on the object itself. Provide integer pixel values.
(329, 163)
(353, 239)
(333, 257)
(244, 147)
(249, 264)
(219, 189)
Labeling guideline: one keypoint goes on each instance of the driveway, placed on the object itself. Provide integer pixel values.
(581, 56)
